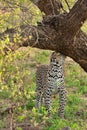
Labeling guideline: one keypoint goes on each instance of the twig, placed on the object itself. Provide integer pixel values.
(67, 4)
(11, 120)
(11, 108)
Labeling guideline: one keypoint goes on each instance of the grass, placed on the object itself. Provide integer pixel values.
(18, 87)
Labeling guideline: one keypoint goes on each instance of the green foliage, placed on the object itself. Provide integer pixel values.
(40, 57)
(17, 12)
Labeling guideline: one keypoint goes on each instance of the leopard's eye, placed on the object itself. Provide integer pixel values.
(57, 62)
(52, 59)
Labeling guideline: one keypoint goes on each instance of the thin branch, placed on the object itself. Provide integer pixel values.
(11, 119)
(67, 4)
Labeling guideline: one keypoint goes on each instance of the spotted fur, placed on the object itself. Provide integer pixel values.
(50, 80)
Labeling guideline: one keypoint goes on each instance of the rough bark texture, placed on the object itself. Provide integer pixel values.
(49, 7)
(58, 32)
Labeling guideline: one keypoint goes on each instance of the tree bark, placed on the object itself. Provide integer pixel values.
(59, 33)
(49, 7)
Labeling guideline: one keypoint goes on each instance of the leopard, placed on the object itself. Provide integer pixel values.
(50, 81)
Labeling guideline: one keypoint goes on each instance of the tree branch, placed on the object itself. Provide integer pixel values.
(76, 17)
(49, 7)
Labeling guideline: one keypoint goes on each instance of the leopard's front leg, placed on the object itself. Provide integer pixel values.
(47, 99)
(62, 101)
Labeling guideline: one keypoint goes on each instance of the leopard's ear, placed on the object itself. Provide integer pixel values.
(52, 54)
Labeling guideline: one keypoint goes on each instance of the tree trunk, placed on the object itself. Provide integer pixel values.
(58, 32)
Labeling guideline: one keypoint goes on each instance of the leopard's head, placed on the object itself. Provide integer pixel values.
(57, 58)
